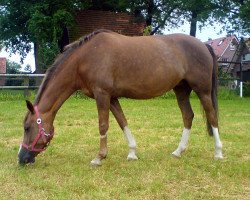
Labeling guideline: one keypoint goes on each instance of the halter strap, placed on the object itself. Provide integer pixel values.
(41, 133)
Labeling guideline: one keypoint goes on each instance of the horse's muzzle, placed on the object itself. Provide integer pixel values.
(25, 156)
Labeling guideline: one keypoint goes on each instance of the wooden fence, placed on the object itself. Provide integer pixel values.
(24, 80)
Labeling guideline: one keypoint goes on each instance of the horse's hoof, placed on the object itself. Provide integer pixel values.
(96, 162)
(176, 154)
(218, 156)
(132, 157)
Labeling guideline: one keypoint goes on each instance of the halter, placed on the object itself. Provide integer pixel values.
(41, 133)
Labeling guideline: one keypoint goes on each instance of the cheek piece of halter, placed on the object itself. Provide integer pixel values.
(41, 134)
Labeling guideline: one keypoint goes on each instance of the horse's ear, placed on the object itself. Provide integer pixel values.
(30, 106)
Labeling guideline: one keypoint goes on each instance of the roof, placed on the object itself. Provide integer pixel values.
(221, 44)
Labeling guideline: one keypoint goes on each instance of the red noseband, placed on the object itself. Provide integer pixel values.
(41, 134)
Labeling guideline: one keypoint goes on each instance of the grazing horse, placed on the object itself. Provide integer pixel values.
(105, 66)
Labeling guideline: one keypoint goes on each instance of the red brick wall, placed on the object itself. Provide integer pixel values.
(3, 65)
(2, 70)
(91, 20)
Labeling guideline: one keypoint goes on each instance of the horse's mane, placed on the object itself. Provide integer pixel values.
(68, 50)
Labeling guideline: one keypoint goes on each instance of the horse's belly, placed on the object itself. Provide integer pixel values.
(145, 89)
(148, 76)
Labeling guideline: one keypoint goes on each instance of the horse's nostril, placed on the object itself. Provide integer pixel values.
(25, 156)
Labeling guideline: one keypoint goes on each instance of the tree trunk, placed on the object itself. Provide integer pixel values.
(36, 54)
(193, 24)
(64, 39)
(150, 10)
(38, 70)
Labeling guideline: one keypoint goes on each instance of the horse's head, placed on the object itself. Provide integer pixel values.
(37, 135)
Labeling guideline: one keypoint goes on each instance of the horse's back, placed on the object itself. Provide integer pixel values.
(141, 67)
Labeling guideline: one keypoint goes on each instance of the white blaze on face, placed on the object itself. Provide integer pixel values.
(20, 148)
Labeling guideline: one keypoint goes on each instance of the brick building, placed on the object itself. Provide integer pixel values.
(88, 21)
(2, 70)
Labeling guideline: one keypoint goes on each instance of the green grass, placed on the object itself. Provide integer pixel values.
(64, 171)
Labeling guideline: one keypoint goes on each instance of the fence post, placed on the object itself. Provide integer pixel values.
(241, 81)
(26, 90)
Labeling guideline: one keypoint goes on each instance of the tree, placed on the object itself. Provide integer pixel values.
(157, 13)
(27, 68)
(237, 13)
(195, 11)
(160, 14)
(12, 67)
(14, 34)
(40, 22)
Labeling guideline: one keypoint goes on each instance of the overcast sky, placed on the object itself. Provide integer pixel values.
(203, 35)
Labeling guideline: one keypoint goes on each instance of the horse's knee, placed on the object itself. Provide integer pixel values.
(103, 128)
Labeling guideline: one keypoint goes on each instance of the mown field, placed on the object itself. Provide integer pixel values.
(64, 171)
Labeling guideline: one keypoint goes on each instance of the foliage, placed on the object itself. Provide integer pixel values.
(161, 14)
(246, 89)
(40, 22)
(195, 11)
(12, 67)
(47, 53)
(158, 13)
(13, 25)
(25, 23)
(245, 16)
(27, 68)
(234, 14)
(226, 94)
(147, 30)
(222, 74)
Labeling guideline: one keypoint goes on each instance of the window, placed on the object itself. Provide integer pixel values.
(224, 59)
(220, 42)
(246, 57)
(232, 47)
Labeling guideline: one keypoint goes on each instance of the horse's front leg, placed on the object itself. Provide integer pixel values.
(103, 106)
(116, 109)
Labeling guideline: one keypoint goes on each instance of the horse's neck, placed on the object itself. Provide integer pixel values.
(58, 90)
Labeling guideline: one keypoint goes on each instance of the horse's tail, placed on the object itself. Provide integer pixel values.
(214, 87)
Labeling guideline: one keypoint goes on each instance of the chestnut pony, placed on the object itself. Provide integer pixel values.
(105, 66)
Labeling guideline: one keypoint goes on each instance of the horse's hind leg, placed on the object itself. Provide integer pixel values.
(120, 118)
(182, 92)
(211, 116)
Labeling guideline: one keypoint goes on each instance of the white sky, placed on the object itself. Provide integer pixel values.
(203, 35)
(212, 32)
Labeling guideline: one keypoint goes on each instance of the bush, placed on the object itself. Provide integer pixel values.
(246, 89)
(227, 94)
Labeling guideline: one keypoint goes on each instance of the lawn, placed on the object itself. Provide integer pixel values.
(64, 171)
